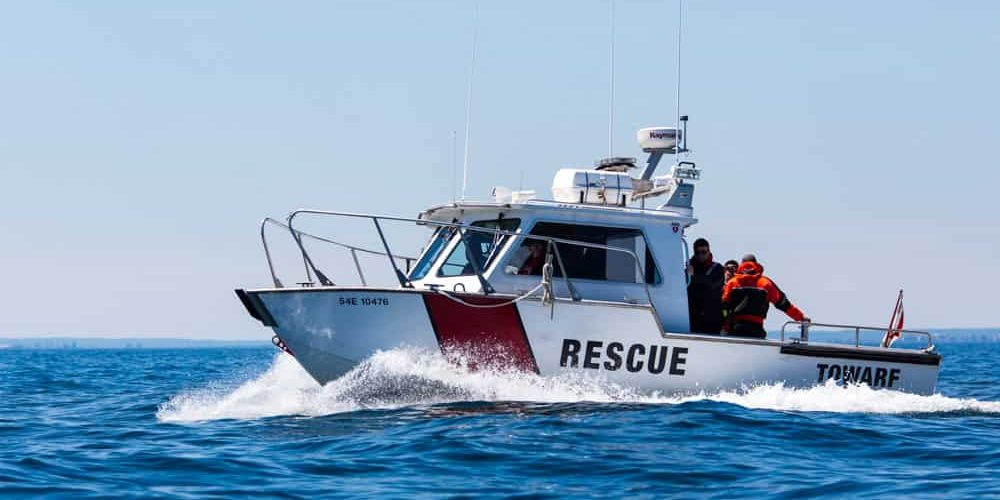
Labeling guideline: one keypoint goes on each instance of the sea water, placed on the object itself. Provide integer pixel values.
(250, 422)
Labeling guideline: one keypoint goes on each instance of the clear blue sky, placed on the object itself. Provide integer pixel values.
(848, 144)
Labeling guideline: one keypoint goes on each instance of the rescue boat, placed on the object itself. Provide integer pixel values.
(590, 282)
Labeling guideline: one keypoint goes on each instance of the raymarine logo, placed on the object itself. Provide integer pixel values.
(661, 135)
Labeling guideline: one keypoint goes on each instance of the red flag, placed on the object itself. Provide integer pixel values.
(895, 323)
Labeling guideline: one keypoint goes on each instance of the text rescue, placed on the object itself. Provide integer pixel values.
(638, 356)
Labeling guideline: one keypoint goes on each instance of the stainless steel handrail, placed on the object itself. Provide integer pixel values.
(353, 249)
(806, 325)
(290, 222)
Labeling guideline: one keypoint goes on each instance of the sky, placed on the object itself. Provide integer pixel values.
(847, 144)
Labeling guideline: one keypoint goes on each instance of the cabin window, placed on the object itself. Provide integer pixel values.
(589, 263)
(477, 247)
(438, 242)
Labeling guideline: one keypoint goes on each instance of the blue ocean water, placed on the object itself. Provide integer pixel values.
(249, 422)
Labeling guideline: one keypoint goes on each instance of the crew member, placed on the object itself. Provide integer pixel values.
(705, 290)
(746, 298)
(535, 260)
(731, 267)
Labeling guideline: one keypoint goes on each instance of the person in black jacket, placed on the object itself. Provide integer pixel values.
(706, 279)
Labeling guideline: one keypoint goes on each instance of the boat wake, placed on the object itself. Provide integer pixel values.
(407, 377)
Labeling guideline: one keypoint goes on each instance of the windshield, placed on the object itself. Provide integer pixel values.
(477, 249)
(437, 244)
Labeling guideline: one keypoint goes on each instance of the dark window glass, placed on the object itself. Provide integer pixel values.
(477, 247)
(438, 242)
(591, 263)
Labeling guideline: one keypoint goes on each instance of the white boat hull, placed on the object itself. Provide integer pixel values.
(331, 329)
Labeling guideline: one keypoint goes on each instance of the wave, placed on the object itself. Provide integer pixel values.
(406, 377)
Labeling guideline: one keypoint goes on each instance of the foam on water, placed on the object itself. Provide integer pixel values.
(406, 377)
(851, 399)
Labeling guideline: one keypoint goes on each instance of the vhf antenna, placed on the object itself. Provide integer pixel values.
(611, 93)
(468, 102)
(454, 163)
(683, 138)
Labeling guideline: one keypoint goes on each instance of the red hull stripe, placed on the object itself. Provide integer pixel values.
(485, 337)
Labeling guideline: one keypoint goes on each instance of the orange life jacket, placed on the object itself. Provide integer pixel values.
(748, 295)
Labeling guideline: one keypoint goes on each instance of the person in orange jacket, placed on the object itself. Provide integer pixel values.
(746, 298)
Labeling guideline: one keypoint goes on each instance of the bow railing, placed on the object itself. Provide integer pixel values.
(313, 271)
(299, 235)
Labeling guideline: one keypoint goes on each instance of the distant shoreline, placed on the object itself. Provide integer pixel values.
(122, 343)
(941, 335)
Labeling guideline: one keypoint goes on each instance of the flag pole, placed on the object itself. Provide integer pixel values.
(889, 337)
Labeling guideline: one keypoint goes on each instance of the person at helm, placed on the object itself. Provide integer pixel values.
(746, 299)
(535, 260)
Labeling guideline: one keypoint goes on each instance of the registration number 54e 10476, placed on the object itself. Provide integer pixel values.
(363, 301)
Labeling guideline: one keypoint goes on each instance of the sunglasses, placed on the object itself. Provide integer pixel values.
(703, 251)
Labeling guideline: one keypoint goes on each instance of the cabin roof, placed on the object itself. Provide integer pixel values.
(582, 212)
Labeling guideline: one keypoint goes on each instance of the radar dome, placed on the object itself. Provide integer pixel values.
(662, 139)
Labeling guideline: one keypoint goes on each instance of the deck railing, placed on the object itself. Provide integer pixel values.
(805, 326)
(299, 235)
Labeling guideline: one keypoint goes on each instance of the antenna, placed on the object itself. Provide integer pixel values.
(677, 150)
(454, 163)
(611, 93)
(468, 102)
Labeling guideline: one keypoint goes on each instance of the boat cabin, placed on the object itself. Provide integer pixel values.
(608, 248)
(470, 261)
